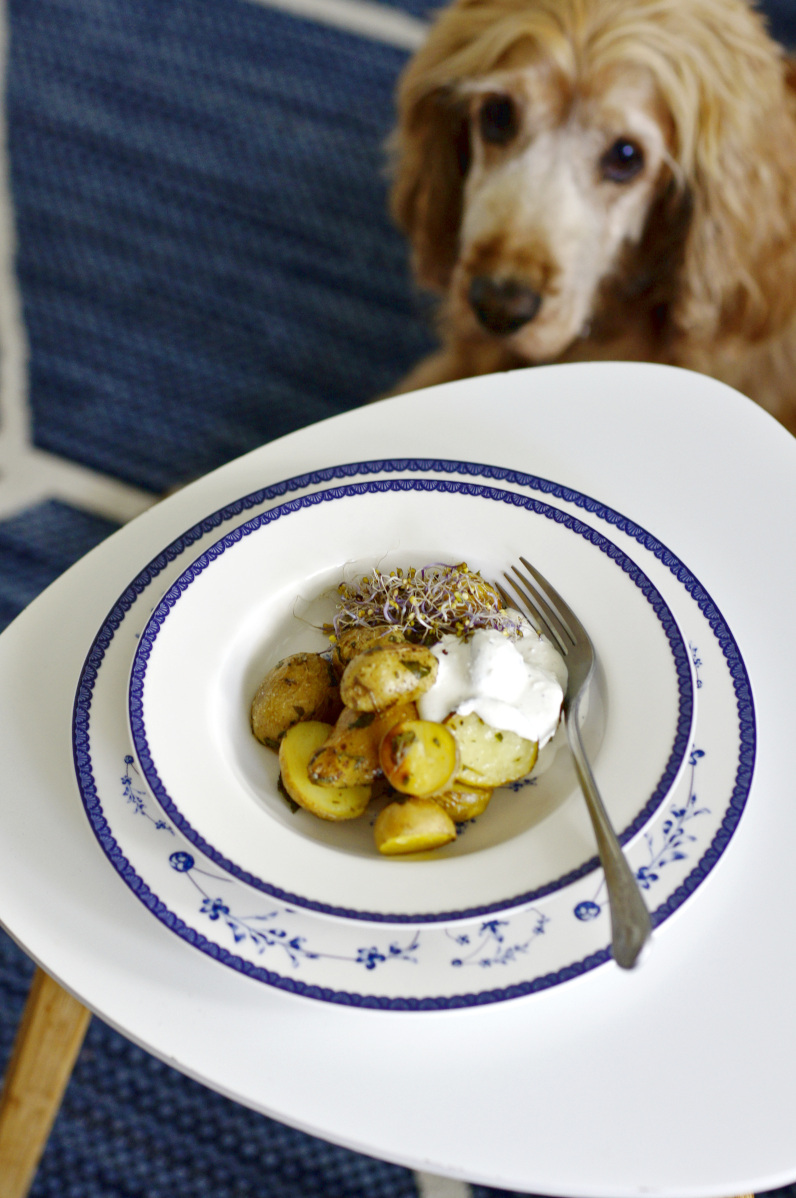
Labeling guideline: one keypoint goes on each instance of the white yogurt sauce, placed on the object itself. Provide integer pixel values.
(514, 685)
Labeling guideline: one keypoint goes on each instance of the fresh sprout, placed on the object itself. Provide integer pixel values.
(426, 604)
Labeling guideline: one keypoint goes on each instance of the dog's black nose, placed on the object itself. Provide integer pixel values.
(503, 305)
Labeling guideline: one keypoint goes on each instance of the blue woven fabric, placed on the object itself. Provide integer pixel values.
(131, 1127)
(781, 17)
(37, 545)
(205, 257)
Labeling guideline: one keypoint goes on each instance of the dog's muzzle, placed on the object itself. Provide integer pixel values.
(502, 305)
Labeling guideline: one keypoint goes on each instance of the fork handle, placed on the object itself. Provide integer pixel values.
(631, 926)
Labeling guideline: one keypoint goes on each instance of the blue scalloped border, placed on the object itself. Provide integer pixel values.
(88, 676)
(197, 567)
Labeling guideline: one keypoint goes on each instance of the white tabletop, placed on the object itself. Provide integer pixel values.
(675, 1079)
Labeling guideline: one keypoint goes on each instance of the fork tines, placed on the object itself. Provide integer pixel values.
(545, 604)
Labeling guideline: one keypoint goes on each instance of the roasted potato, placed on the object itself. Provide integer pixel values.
(350, 755)
(355, 640)
(379, 677)
(328, 802)
(301, 687)
(489, 757)
(412, 825)
(463, 802)
(418, 757)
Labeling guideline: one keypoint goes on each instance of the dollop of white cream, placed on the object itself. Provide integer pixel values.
(513, 685)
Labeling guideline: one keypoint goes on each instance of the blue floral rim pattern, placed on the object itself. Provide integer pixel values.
(281, 512)
(82, 707)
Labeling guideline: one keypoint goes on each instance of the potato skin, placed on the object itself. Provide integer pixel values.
(414, 825)
(300, 687)
(381, 676)
(464, 802)
(418, 757)
(327, 802)
(350, 755)
(355, 640)
(489, 757)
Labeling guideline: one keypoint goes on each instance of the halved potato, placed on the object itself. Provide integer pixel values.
(413, 825)
(464, 802)
(300, 687)
(387, 674)
(350, 755)
(490, 757)
(327, 802)
(418, 757)
(354, 641)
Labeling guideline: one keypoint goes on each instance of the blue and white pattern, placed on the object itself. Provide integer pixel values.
(269, 930)
(697, 660)
(530, 954)
(295, 940)
(427, 484)
(672, 841)
(490, 944)
(136, 796)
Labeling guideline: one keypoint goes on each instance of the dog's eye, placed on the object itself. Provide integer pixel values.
(497, 120)
(622, 161)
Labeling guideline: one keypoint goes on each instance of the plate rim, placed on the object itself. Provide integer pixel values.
(744, 708)
(213, 553)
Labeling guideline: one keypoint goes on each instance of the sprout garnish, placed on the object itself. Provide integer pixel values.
(426, 604)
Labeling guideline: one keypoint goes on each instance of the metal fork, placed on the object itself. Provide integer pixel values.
(630, 921)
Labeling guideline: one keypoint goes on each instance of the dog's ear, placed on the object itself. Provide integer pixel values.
(738, 276)
(430, 156)
(655, 263)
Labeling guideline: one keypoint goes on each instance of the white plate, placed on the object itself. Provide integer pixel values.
(264, 590)
(559, 936)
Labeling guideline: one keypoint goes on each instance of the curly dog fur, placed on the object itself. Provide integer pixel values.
(584, 179)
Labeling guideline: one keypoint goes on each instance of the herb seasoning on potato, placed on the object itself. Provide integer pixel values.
(424, 695)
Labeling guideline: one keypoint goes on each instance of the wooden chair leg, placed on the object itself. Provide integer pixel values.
(48, 1039)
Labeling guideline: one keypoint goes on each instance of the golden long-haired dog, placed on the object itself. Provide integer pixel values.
(586, 179)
